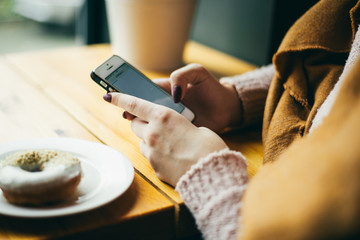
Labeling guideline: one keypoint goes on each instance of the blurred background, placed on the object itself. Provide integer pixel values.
(33, 25)
(250, 30)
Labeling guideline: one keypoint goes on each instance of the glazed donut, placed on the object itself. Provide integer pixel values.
(39, 177)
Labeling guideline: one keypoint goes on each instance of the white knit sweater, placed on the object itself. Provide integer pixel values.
(212, 189)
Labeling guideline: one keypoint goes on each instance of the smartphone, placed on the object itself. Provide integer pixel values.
(117, 75)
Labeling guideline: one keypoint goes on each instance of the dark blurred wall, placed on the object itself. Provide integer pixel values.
(248, 29)
(91, 23)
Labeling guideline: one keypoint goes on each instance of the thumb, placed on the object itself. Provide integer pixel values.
(164, 83)
(180, 79)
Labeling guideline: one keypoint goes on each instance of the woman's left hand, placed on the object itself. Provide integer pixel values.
(169, 141)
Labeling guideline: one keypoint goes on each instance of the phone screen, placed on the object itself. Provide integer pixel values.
(127, 80)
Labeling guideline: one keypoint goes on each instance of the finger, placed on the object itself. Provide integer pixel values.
(147, 153)
(190, 74)
(138, 126)
(164, 83)
(144, 149)
(128, 116)
(136, 106)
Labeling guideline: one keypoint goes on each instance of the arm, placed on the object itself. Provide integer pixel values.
(213, 187)
(214, 198)
(215, 203)
(252, 88)
(212, 190)
(232, 101)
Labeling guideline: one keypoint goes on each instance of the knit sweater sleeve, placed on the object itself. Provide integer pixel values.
(212, 190)
(252, 88)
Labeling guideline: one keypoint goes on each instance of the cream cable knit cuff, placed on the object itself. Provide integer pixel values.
(252, 88)
(212, 190)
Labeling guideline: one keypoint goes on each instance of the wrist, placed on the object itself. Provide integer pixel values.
(235, 106)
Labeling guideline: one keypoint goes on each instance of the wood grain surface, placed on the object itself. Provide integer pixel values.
(50, 94)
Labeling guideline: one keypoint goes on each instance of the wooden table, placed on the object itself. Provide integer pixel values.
(50, 94)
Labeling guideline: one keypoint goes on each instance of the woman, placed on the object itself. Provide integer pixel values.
(309, 102)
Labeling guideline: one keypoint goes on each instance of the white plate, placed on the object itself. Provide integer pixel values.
(106, 175)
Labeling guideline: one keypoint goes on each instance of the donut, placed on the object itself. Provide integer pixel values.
(39, 177)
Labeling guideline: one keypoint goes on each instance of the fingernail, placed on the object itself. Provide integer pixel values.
(177, 94)
(107, 97)
(124, 115)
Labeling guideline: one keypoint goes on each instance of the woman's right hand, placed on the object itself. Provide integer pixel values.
(215, 105)
(170, 142)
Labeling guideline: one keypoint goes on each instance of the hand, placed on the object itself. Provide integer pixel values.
(169, 141)
(215, 105)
